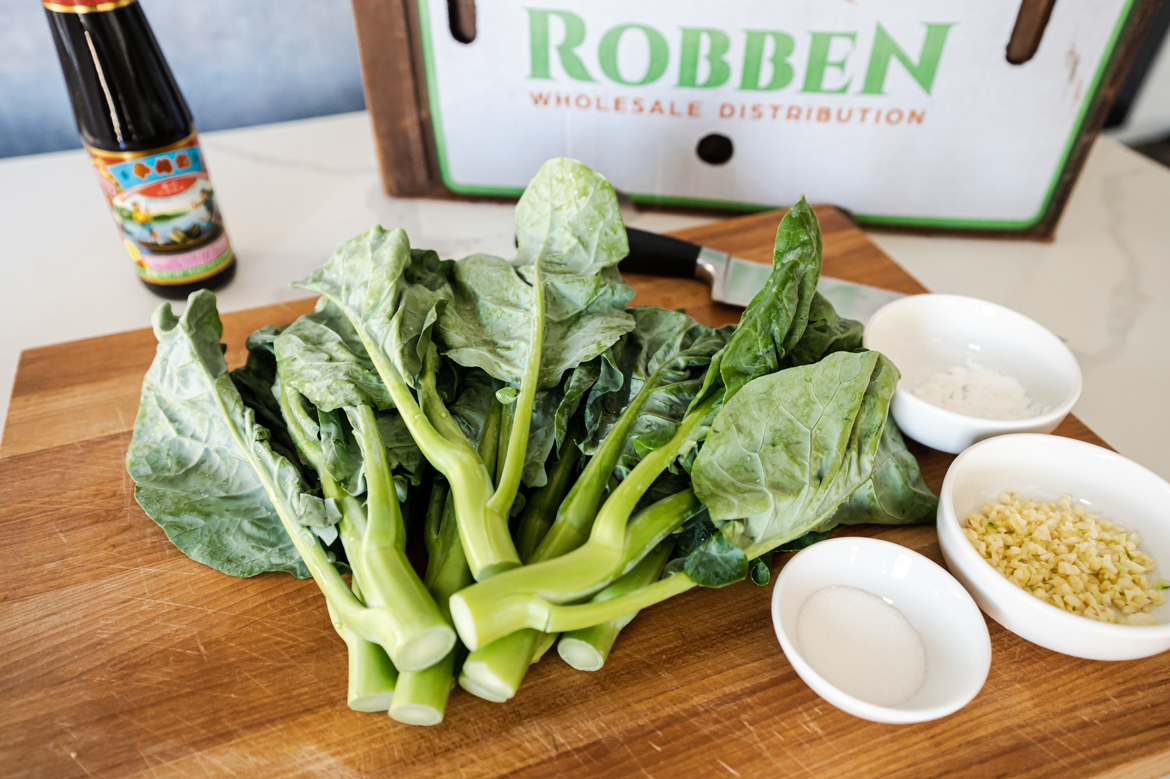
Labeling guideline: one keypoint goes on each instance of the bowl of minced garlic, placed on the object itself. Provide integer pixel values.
(1069, 558)
(1077, 574)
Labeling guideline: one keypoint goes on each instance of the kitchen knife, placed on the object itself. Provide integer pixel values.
(736, 281)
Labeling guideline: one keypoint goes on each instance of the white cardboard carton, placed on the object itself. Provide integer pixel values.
(903, 111)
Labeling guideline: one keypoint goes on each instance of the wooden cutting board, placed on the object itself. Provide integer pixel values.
(123, 657)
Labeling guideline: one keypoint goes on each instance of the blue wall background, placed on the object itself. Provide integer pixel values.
(237, 63)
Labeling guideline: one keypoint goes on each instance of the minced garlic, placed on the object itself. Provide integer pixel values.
(1064, 556)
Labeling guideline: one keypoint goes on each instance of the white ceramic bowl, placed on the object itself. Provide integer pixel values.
(958, 649)
(1045, 468)
(928, 334)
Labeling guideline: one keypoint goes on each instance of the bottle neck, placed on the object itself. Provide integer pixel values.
(86, 6)
(124, 96)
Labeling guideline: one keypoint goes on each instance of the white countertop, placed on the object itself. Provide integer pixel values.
(290, 192)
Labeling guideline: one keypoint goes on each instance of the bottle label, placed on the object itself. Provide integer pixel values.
(163, 204)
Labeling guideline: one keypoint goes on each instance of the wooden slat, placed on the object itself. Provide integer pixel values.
(123, 657)
(392, 75)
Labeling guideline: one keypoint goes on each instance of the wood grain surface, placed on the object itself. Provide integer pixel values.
(120, 656)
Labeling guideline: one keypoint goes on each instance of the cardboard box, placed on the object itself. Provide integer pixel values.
(924, 114)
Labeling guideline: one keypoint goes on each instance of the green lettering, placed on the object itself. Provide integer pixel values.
(753, 59)
(538, 36)
(818, 61)
(884, 47)
(688, 66)
(608, 50)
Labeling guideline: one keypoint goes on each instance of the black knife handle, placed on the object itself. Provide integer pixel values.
(659, 255)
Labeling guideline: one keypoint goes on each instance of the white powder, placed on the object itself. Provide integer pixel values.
(976, 391)
(861, 645)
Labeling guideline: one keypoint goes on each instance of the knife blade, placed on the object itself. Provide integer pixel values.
(734, 280)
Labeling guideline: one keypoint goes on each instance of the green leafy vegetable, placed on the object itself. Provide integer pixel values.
(320, 358)
(795, 444)
(392, 298)
(205, 471)
(202, 466)
(775, 320)
(489, 610)
(566, 461)
(826, 333)
(323, 358)
(896, 494)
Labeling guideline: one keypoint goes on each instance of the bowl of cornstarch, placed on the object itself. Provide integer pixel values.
(880, 631)
(972, 370)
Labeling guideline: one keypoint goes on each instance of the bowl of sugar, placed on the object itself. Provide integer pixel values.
(972, 370)
(880, 631)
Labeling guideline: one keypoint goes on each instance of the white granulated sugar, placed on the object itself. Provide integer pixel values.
(976, 391)
(862, 645)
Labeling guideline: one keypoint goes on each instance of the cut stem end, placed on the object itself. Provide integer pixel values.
(425, 648)
(579, 654)
(377, 701)
(416, 714)
(464, 622)
(491, 691)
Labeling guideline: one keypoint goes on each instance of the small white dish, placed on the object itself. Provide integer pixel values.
(958, 648)
(926, 335)
(1046, 467)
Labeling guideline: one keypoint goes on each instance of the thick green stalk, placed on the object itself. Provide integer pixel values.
(298, 421)
(542, 507)
(484, 531)
(503, 437)
(609, 530)
(487, 694)
(372, 624)
(348, 611)
(445, 454)
(495, 671)
(554, 618)
(421, 697)
(352, 525)
(499, 613)
(371, 680)
(509, 481)
(588, 649)
(498, 668)
(578, 511)
(453, 457)
(491, 609)
(366, 631)
(387, 579)
(653, 524)
(372, 675)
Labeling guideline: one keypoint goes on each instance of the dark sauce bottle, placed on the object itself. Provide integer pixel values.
(142, 142)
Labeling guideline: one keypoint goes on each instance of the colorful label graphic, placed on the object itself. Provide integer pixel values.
(163, 203)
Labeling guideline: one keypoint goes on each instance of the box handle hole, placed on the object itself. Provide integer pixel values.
(715, 149)
(1029, 29)
(461, 14)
